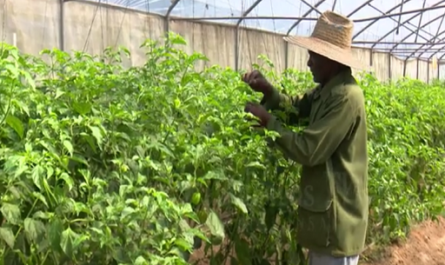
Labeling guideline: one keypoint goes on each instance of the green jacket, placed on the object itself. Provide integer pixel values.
(333, 203)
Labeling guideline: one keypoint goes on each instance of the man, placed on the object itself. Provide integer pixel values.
(333, 204)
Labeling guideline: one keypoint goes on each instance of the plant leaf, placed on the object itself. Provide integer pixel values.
(38, 172)
(215, 225)
(69, 147)
(12, 213)
(33, 229)
(238, 203)
(55, 233)
(243, 252)
(7, 235)
(67, 242)
(16, 124)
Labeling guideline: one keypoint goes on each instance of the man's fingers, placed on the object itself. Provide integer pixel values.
(249, 107)
(251, 78)
(246, 77)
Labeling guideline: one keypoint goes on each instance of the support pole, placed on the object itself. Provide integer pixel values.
(167, 15)
(286, 55)
(417, 68)
(389, 67)
(61, 25)
(237, 37)
(428, 72)
(404, 67)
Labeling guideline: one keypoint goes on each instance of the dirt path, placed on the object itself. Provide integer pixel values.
(425, 246)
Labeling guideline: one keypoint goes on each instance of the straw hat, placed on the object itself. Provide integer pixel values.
(331, 38)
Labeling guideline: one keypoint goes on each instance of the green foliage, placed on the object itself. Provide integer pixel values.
(106, 165)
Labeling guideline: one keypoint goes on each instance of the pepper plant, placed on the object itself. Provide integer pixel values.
(103, 164)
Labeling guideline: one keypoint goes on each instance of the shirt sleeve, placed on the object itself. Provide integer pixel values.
(317, 142)
(273, 101)
(300, 104)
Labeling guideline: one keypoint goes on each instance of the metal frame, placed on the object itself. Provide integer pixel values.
(426, 49)
(237, 35)
(61, 25)
(422, 48)
(430, 43)
(409, 23)
(372, 20)
(418, 11)
(167, 15)
(411, 34)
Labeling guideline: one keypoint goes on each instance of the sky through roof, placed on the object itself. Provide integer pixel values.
(397, 34)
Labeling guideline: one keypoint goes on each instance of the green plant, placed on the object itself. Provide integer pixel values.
(107, 165)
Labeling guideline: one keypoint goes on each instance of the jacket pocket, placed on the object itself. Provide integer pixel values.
(315, 225)
(315, 211)
(316, 193)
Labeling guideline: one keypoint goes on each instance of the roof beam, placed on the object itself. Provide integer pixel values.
(359, 8)
(167, 15)
(393, 42)
(400, 18)
(408, 50)
(304, 15)
(250, 9)
(378, 10)
(312, 7)
(418, 11)
(333, 5)
(374, 21)
(420, 21)
(435, 6)
(306, 18)
(441, 48)
(171, 7)
(430, 43)
(411, 34)
(443, 55)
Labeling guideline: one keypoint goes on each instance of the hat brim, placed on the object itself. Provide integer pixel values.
(328, 50)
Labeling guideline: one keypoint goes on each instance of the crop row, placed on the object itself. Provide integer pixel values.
(103, 164)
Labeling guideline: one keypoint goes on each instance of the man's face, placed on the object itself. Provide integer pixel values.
(319, 66)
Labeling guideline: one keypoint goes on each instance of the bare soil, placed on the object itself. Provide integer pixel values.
(424, 246)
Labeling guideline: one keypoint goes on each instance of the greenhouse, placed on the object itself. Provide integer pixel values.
(156, 132)
(398, 38)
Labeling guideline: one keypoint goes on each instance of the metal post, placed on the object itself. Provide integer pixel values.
(61, 25)
(286, 55)
(417, 68)
(167, 15)
(389, 66)
(404, 67)
(370, 57)
(238, 23)
(428, 72)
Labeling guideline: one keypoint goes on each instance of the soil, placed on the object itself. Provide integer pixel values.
(424, 246)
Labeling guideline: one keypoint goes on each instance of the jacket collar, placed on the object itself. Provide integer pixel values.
(338, 79)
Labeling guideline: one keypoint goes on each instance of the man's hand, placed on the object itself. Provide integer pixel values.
(258, 111)
(258, 82)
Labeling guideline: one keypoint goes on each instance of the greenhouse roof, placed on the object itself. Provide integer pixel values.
(405, 28)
